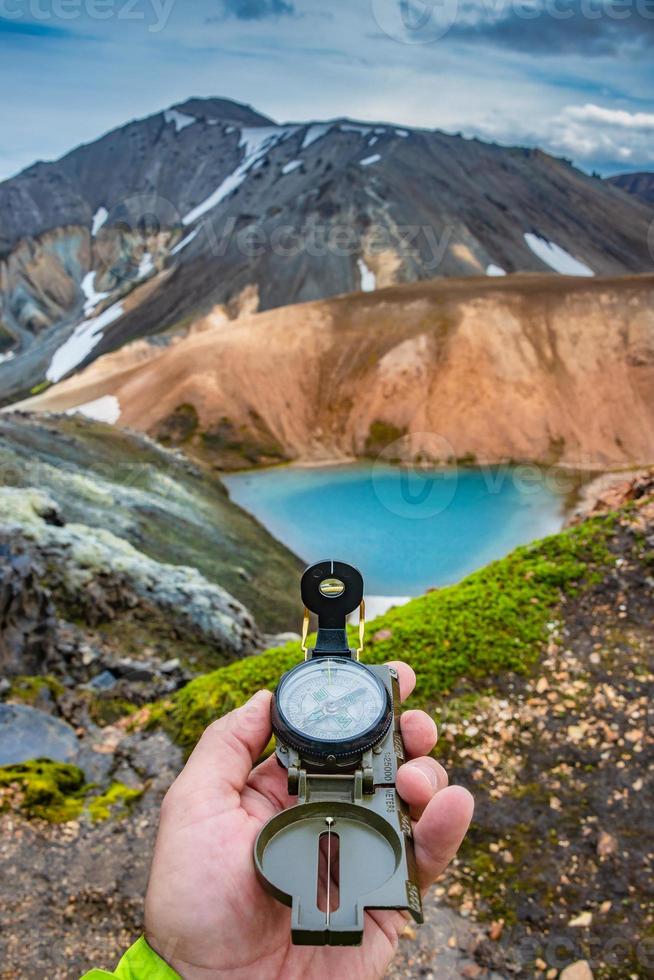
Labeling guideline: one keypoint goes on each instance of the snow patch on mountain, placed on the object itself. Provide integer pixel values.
(104, 409)
(367, 277)
(81, 342)
(556, 257)
(9, 356)
(288, 168)
(367, 161)
(355, 128)
(99, 219)
(92, 297)
(184, 242)
(495, 270)
(404, 133)
(256, 142)
(314, 133)
(180, 119)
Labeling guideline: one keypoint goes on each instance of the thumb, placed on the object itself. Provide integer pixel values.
(223, 758)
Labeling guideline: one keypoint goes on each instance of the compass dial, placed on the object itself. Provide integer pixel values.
(331, 700)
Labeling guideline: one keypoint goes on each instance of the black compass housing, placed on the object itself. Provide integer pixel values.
(338, 749)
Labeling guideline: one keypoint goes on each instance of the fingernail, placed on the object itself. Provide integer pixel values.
(256, 697)
(427, 772)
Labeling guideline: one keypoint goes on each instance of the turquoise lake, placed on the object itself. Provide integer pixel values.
(406, 529)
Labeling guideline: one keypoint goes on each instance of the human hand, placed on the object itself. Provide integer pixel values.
(206, 913)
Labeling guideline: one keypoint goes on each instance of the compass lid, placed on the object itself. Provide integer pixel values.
(332, 590)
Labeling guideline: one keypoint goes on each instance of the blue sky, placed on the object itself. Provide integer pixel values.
(573, 76)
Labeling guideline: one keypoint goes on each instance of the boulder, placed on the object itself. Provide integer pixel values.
(26, 733)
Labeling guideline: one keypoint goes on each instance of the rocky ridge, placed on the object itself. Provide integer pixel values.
(640, 184)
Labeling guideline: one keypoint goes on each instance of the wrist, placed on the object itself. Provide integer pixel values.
(160, 965)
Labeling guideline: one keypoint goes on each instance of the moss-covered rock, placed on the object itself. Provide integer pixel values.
(114, 802)
(29, 689)
(86, 560)
(495, 620)
(106, 708)
(58, 792)
(170, 509)
(52, 791)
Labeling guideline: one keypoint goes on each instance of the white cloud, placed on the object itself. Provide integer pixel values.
(591, 135)
(328, 61)
(610, 117)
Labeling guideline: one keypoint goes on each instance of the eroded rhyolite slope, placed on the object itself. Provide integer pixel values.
(531, 368)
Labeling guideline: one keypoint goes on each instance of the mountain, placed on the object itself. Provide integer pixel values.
(641, 184)
(530, 367)
(210, 202)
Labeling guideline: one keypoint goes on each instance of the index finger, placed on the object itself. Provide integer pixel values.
(405, 675)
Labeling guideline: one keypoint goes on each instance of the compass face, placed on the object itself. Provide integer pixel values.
(332, 699)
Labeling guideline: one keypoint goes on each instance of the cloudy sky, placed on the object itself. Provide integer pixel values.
(573, 76)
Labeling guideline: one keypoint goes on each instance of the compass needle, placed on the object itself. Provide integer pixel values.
(329, 821)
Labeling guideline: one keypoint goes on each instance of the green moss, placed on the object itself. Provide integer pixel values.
(52, 791)
(190, 710)
(57, 792)
(114, 802)
(495, 620)
(106, 710)
(27, 688)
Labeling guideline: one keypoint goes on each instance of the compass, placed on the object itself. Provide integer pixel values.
(331, 707)
(337, 731)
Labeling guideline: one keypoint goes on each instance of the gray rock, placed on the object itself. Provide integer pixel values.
(134, 670)
(26, 733)
(281, 639)
(164, 506)
(102, 682)
(96, 766)
(27, 618)
(151, 757)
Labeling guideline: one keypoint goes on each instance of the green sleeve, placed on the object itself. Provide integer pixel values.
(140, 962)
